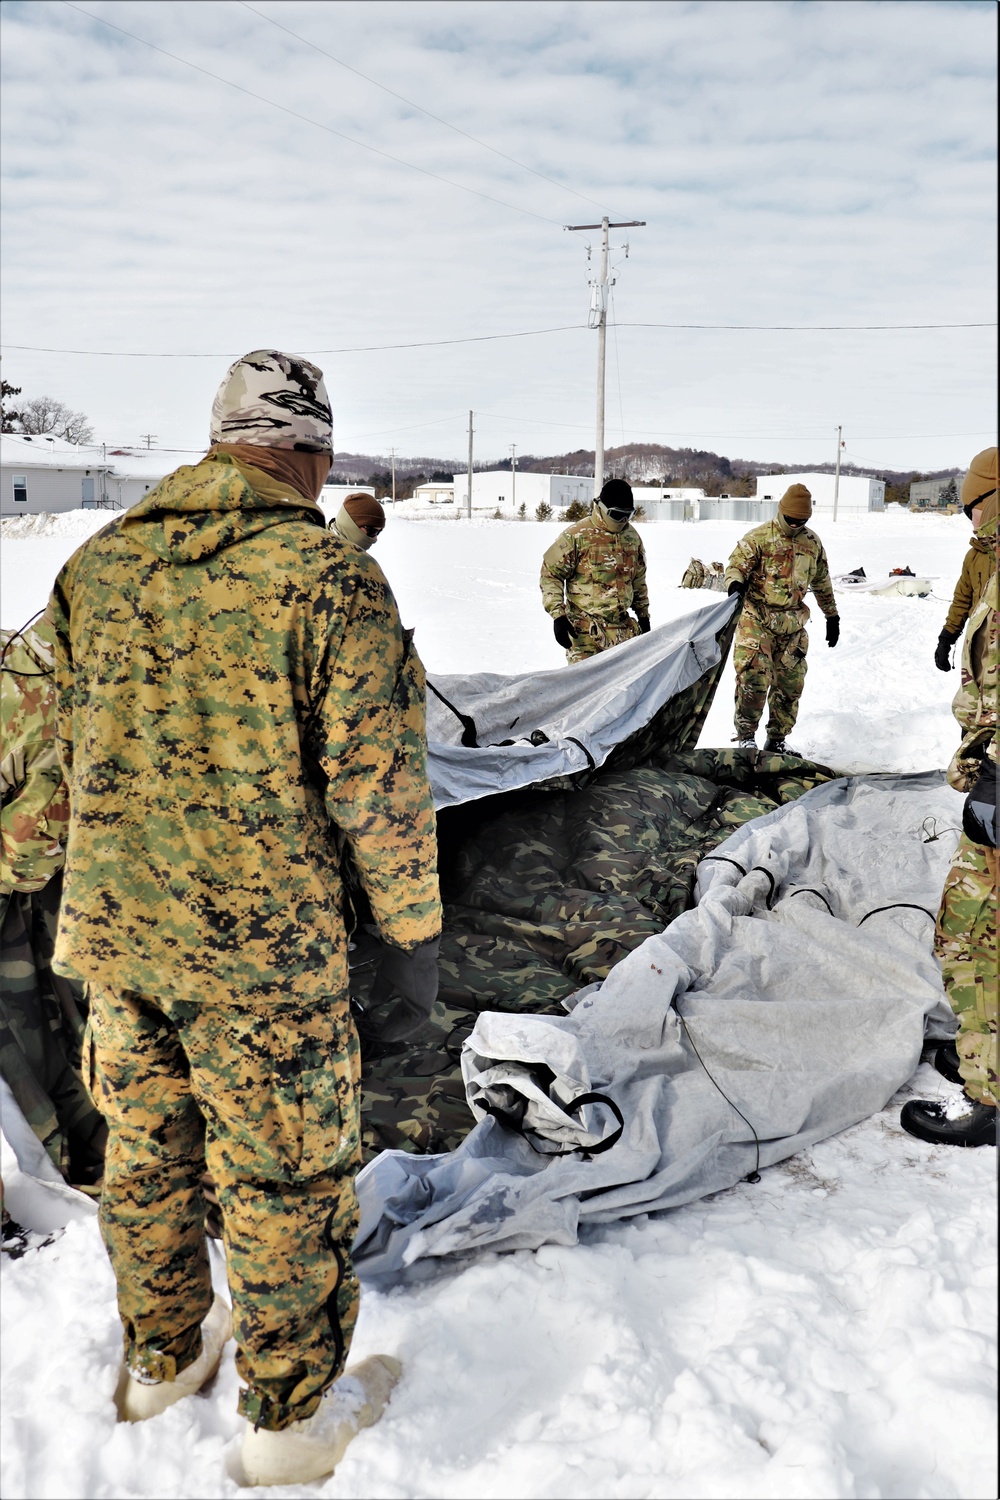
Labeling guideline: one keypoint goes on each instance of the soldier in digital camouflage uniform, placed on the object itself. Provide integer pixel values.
(238, 700)
(41, 1013)
(593, 574)
(772, 569)
(965, 938)
(980, 561)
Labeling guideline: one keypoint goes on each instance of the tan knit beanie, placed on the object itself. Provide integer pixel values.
(364, 510)
(981, 478)
(796, 503)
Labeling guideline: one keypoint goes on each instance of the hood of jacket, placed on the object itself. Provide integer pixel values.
(201, 509)
(985, 538)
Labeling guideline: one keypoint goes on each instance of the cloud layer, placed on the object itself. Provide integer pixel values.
(795, 163)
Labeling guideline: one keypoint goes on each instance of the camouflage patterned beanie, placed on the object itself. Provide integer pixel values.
(273, 400)
(796, 503)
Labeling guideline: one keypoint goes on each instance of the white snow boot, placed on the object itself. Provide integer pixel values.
(313, 1448)
(137, 1400)
(746, 743)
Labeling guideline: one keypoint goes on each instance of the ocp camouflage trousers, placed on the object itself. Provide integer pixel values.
(965, 941)
(41, 1034)
(594, 635)
(769, 668)
(265, 1094)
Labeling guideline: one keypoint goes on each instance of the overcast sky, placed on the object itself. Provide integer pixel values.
(795, 163)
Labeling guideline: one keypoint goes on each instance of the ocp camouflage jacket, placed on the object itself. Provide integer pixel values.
(975, 703)
(590, 571)
(978, 567)
(236, 694)
(778, 571)
(35, 800)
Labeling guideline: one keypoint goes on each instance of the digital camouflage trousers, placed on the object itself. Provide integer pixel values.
(769, 669)
(41, 1034)
(965, 941)
(266, 1094)
(594, 635)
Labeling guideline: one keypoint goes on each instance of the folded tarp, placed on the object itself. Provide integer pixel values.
(788, 1004)
(489, 734)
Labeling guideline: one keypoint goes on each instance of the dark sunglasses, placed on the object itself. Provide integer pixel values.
(373, 530)
(617, 514)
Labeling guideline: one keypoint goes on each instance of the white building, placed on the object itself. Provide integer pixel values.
(48, 474)
(435, 494)
(858, 494)
(500, 489)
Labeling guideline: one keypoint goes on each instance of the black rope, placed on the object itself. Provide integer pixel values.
(506, 1118)
(892, 907)
(753, 1176)
(470, 736)
(591, 762)
(771, 893)
(45, 672)
(810, 890)
(724, 859)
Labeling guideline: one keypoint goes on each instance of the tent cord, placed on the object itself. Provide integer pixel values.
(753, 1176)
(45, 672)
(470, 736)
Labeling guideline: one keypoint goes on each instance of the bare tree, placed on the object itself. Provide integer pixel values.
(42, 415)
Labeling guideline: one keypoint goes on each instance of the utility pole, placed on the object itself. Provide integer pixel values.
(836, 475)
(392, 453)
(513, 477)
(468, 501)
(599, 319)
(149, 436)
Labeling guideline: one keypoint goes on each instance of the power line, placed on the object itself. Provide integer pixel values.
(411, 104)
(306, 119)
(479, 338)
(808, 327)
(527, 333)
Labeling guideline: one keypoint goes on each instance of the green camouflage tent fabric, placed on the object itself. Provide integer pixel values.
(546, 889)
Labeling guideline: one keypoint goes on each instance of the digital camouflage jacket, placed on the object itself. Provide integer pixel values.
(978, 567)
(975, 703)
(35, 801)
(236, 697)
(778, 571)
(590, 571)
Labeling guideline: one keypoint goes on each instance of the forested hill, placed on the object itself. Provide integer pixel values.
(640, 463)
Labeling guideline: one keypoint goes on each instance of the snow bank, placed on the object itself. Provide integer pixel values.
(73, 524)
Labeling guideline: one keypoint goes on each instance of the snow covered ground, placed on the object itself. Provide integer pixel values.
(828, 1331)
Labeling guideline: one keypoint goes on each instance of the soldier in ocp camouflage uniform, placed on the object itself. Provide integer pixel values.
(772, 569)
(237, 700)
(593, 574)
(41, 1013)
(965, 938)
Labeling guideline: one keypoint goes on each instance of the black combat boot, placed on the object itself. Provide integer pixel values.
(946, 1062)
(973, 1124)
(775, 744)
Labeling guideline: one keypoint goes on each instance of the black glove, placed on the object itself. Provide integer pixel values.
(643, 624)
(413, 977)
(832, 629)
(737, 587)
(564, 632)
(942, 651)
(979, 814)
